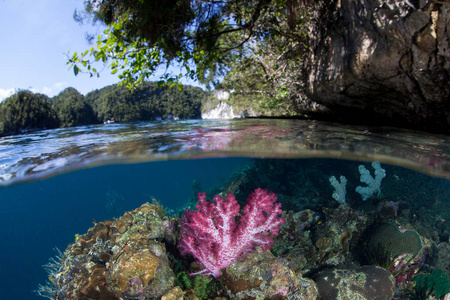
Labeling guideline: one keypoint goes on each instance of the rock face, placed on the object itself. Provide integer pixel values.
(383, 60)
(224, 110)
(221, 111)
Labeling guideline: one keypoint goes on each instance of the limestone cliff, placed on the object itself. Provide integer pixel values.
(382, 60)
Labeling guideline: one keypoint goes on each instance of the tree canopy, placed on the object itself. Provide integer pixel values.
(148, 101)
(25, 111)
(205, 38)
(72, 109)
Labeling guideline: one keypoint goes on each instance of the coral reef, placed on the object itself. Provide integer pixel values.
(396, 247)
(261, 275)
(216, 238)
(119, 259)
(309, 240)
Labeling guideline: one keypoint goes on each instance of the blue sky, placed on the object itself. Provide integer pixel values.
(35, 35)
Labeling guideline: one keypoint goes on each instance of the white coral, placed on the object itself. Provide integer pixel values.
(339, 188)
(373, 184)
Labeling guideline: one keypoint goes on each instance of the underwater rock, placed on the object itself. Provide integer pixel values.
(309, 239)
(341, 227)
(442, 257)
(389, 210)
(293, 244)
(260, 274)
(366, 282)
(120, 259)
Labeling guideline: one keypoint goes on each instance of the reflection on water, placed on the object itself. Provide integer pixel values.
(52, 151)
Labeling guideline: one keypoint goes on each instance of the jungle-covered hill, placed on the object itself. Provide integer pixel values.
(27, 111)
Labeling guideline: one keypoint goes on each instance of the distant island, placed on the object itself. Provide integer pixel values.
(26, 111)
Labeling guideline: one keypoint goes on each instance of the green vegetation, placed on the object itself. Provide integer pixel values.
(72, 109)
(26, 111)
(255, 46)
(146, 102)
(267, 75)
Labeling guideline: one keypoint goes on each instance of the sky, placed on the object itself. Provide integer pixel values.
(35, 36)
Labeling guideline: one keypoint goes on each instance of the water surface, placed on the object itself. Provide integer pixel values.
(49, 152)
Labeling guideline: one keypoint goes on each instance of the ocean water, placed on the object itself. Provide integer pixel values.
(58, 183)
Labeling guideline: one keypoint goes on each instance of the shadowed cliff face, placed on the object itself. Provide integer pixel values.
(383, 60)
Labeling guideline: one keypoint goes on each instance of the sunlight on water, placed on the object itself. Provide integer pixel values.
(44, 153)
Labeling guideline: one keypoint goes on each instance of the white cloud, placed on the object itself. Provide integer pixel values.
(6, 93)
(54, 90)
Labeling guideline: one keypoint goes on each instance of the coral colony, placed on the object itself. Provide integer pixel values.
(216, 236)
(373, 183)
(372, 189)
(339, 188)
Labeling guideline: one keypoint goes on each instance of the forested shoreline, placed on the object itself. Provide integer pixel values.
(26, 111)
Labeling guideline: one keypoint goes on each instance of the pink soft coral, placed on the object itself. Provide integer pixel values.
(216, 237)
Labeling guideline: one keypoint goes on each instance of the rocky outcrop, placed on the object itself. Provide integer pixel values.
(221, 111)
(383, 60)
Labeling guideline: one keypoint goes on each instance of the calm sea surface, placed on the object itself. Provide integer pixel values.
(55, 183)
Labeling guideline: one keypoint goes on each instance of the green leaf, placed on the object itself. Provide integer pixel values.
(76, 70)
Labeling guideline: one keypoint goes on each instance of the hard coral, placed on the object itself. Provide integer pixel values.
(365, 283)
(216, 237)
(118, 259)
